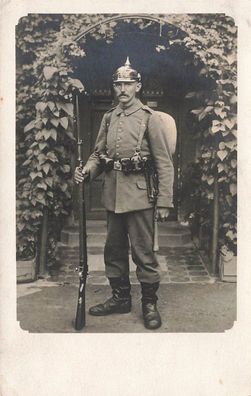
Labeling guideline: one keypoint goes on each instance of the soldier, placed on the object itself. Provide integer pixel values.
(131, 150)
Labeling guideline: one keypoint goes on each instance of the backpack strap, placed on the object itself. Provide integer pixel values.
(142, 130)
(108, 116)
(108, 120)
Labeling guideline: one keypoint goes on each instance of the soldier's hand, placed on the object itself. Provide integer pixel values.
(162, 214)
(81, 175)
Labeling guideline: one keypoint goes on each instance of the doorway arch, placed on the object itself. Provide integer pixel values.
(166, 80)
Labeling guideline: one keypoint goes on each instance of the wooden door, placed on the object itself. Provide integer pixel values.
(91, 114)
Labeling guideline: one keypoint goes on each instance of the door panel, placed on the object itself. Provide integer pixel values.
(93, 113)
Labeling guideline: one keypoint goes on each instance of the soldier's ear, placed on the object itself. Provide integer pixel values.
(138, 86)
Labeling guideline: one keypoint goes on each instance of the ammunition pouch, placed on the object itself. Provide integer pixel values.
(134, 164)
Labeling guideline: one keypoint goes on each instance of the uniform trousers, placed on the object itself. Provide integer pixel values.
(138, 228)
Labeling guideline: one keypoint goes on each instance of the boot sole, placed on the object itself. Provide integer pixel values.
(109, 313)
(153, 327)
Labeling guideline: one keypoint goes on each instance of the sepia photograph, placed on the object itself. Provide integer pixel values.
(122, 271)
(126, 173)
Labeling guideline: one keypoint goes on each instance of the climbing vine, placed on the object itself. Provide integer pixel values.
(212, 40)
(47, 51)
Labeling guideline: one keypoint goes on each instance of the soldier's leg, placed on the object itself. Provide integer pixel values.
(116, 246)
(141, 230)
(117, 268)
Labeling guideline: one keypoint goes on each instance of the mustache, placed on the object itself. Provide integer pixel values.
(123, 95)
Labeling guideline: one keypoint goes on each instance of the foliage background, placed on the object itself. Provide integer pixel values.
(47, 54)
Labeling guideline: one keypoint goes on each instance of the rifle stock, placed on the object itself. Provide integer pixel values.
(80, 319)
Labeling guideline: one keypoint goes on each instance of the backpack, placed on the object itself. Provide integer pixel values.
(170, 130)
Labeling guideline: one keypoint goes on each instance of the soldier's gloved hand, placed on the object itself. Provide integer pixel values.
(162, 214)
(81, 175)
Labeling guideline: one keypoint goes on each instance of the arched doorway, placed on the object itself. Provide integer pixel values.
(167, 77)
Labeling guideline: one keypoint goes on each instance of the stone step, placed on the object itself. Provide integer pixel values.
(171, 234)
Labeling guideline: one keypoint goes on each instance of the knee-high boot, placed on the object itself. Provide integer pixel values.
(151, 316)
(120, 302)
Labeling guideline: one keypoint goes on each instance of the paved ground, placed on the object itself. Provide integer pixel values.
(190, 300)
(47, 308)
(178, 265)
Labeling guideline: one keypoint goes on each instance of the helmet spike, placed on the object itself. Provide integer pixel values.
(127, 62)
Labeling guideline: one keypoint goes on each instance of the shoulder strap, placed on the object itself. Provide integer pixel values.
(142, 130)
(108, 116)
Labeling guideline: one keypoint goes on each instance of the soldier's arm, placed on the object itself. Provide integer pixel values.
(163, 161)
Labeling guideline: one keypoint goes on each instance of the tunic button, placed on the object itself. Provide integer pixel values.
(117, 145)
(117, 154)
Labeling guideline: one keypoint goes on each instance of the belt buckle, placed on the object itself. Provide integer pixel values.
(117, 166)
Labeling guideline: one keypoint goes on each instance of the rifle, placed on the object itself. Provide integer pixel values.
(83, 264)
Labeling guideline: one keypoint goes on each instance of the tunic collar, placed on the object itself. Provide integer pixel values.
(131, 109)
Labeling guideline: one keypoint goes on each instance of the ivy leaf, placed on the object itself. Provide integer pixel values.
(233, 163)
(42, 185)
(67, 107)
(190, 95)
(64, 122)
(42, 146)
(49, 72)
(231, 235)
(50, 193)
(63, 187)
(234, 132)
(233, 189)
(46, 168)
(54, 121)
(76, 83)
(51, 105)
(217, 127)
(27, 162)
(46, 134)
(197, 111)
(20, 226)
(233, 99)
(30, 126)
(231, 145)
(41, 159)
(33, 175)
(220, 167)
(70, 134)
(222, 154)
(45, 120)
(220, 112)
(204, 112)
(49, 181)
(230, 123)
(52, 156)
(54, 134)
(66, 168)
(221, 145)
(41, 106)
(210, 180)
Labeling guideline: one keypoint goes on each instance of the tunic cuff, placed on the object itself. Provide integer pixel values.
(165, 202)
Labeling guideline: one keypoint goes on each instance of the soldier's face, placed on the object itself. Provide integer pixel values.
(126, 91)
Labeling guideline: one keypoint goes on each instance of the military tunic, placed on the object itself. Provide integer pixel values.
(125, 196)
